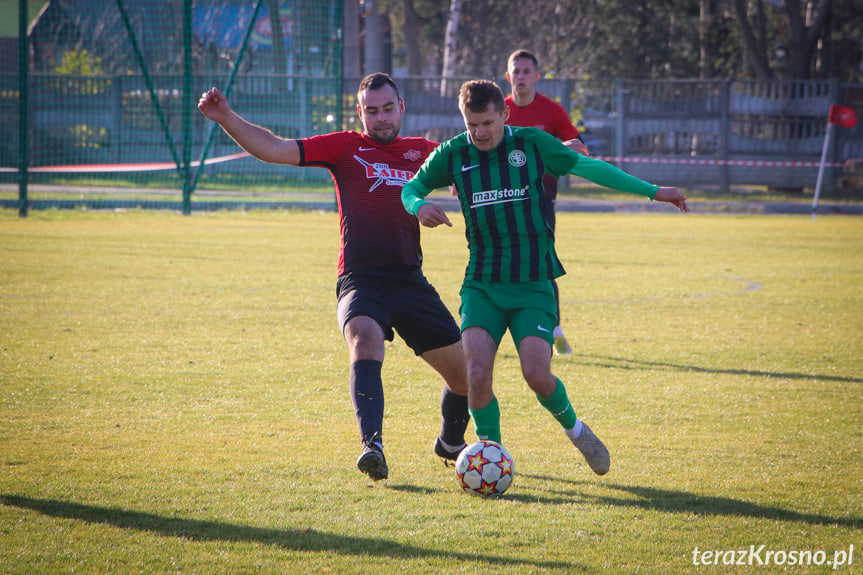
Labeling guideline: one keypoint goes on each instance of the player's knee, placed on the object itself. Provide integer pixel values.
(478, 374)
(539, 379)
(457, 385)
(364, 343)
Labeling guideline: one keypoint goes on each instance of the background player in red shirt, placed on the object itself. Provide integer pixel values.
(381, 287)
(529, 108)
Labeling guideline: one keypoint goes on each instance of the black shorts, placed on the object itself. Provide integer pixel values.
(399, 299)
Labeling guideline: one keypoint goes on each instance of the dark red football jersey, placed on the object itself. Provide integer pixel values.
(376, 230)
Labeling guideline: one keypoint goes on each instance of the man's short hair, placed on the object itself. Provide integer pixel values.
(478, 95)
(376, 81)
(519, 54)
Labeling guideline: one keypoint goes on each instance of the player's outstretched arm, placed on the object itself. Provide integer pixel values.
(609, 176)
(671, 196)
(256, 140)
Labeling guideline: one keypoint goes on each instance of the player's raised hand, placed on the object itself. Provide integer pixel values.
(214, 105)
(431, 216)
(672, 196)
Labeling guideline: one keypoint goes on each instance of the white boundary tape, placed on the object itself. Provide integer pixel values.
(757, 163)
(105, 168)
(161, 166)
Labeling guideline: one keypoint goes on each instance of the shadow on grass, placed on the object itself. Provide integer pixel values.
(625, 363)
(412, 488)
(290, 539)
(671, 501)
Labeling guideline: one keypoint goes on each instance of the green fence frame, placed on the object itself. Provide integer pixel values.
(23, 81)
(189, 172)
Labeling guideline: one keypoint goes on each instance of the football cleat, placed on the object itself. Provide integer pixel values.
(372, 461)
(445, 453)
(561, 346)
(593, 450)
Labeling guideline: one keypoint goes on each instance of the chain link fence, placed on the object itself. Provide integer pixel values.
(109, 88)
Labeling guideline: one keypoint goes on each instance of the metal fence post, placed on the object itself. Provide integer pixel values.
(188, 103)
(724, 131)
(619, 131)
(116, 91)
(23, 80)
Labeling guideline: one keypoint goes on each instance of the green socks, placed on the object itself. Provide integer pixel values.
(487, 421)
(558, 405)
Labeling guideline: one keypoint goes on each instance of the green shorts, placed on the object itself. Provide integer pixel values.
(525, 308)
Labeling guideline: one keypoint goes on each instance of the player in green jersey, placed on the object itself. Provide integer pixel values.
(497, 171)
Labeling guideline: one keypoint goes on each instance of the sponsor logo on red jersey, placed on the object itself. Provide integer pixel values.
(384, 174)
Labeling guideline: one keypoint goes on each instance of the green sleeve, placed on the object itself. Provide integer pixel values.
(413, 195)
(609, 176)
(558, 159)
(432, 174)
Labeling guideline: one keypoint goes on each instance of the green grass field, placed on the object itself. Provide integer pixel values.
(174, 399)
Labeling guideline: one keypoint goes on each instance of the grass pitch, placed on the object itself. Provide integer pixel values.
(174, 399)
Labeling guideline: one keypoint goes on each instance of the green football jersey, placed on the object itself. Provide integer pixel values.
(503, 199)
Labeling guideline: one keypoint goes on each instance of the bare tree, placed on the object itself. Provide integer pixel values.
(806, 22)
(373, 36)
(805, 30)
(639, 39)
(351, 48)
(449, 51)
(411, 38)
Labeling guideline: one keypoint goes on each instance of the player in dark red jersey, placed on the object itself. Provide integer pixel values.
(381, 287)
(530, 109)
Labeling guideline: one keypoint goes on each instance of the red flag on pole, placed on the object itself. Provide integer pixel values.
(842, 116)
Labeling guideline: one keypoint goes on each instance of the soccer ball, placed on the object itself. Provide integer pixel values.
(485, 468)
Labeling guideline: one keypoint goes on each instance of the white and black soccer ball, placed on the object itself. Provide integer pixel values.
(485, 468)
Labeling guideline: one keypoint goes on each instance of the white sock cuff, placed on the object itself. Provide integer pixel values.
(575, 431)
(449, 447)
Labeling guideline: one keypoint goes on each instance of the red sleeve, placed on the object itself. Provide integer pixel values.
(563, 128)
(322, 150)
